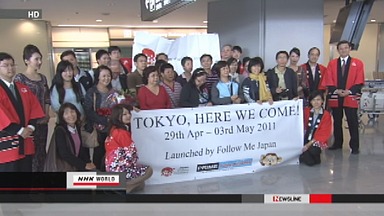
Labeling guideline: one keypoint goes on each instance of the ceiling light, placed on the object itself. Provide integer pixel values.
(136, 26)
(205, 21)
(99, 20)
(373, 20)
(334, 21)
(155, 21)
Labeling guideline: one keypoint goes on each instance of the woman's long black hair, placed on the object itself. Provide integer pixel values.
(59, 82)
(115, 120)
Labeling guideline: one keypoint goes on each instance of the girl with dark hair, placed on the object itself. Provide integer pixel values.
(294, 57)
(245, 63)
(226, 90)
(98, 109)
(195, 93)
(38, 84)
(152, 95)
(233, 71)
(255, 87)
(65, 89)
(66, 152)
(119, 145)
(317, 129)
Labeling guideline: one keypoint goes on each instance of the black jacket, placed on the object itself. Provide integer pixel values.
(91, 114)
(190, 95)
(290, 78)
(86, 81)
(123, 81)
(65, 149)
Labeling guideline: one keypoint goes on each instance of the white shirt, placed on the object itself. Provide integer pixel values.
(8, 83)
(313, 72)
(345, 60)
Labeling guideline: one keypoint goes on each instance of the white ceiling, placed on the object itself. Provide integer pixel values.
(127, 12)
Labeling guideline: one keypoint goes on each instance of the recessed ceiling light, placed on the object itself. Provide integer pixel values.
(99, 20)
(334, 21)
(373, 20)
(155, 21)
(205, 21)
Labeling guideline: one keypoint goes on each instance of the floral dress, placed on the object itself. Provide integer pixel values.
(121, 154)
(41, 90)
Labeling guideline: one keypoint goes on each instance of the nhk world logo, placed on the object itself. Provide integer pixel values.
(286, 198)
(94, 180)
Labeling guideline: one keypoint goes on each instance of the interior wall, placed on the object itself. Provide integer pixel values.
(243, 29)
(367, 51)
(380, 58)
(293, 23)
(16, 34)
(265, 27)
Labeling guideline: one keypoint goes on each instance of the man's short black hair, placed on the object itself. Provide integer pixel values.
(343, 42)
(67, 53)
(237, 48)
(137, 56)
(113, 48)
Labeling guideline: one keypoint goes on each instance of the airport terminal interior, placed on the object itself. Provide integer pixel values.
(88, 25)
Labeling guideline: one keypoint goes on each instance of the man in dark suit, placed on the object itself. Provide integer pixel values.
(344, 80)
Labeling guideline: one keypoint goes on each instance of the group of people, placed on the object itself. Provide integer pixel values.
(81, 101)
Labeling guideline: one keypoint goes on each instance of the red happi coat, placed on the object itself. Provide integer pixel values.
(322, 70)
(325, 127)
(354, 77)
(31, 108)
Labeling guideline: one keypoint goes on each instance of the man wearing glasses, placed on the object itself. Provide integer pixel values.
(19, 111)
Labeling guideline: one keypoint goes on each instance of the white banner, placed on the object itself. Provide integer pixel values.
(196, 143)
(191, 45)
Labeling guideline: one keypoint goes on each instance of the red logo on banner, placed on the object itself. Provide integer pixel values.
(150, 55)
(167, 171)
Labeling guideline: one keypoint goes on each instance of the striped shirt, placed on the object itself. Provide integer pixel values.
(211, 79)
(174, 93)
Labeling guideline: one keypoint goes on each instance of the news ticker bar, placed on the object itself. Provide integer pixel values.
(122, 197)
(21, 14)
(110, 187)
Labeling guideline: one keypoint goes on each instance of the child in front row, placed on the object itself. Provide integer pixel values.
(121, 154)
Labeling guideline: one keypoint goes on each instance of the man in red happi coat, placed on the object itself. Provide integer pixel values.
(345, 78)
(19, 111)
